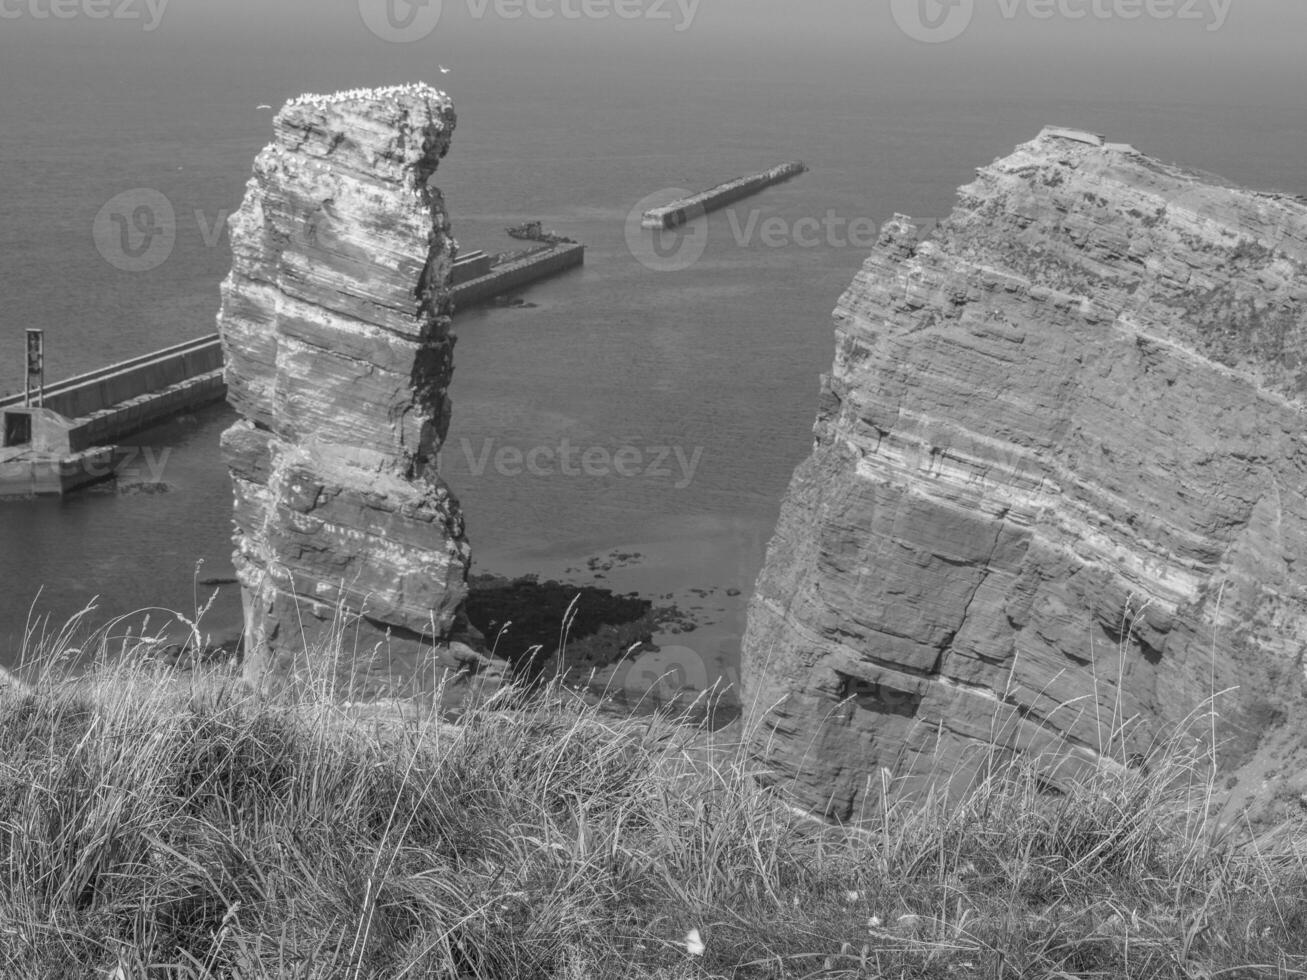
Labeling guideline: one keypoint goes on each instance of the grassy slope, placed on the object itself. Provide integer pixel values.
(154, 826)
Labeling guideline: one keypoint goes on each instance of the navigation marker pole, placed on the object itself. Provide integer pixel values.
(35, 368)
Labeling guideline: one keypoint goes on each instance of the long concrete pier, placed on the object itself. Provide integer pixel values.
(499, 279)
(71, 439)
(131, 394)
(685, 209)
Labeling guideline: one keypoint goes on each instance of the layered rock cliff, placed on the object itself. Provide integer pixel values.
(335, 331)
(1057, 487)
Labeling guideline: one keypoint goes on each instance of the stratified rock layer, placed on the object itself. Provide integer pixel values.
(335, 330)
(1057, 484)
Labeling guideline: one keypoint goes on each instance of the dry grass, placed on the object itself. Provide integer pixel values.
(157, 826)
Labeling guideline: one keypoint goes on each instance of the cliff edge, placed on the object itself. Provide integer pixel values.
(335, 331)
(1056, 496)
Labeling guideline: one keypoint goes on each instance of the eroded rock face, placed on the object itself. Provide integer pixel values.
(335, 330)
(1057, 483)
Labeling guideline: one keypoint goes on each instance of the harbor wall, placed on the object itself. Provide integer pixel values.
(125, 381)
(687, 209)
(512, 275)
(113, 423)
(469, 267)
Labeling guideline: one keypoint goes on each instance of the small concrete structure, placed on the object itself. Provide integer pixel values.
(34, 443)
(25, 472)
(38, 458)
(39, 429)
(1076, 135)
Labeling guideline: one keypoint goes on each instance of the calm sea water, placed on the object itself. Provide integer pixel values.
(705, 378)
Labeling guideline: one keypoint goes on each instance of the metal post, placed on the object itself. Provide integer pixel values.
(35, 368)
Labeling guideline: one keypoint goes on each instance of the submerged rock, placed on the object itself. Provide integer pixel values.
(335, 330)
(542, 628)
(1057, 483)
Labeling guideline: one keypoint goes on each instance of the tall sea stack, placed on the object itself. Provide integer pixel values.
(1057, 484)
(335, 329)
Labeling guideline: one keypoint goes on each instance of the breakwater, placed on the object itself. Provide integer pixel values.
(685, 209)
(84, 395)
(515, 273)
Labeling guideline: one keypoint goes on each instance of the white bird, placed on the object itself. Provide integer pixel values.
(444, 70)
(264, 106)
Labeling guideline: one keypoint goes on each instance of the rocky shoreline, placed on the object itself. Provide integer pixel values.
(513, 630)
